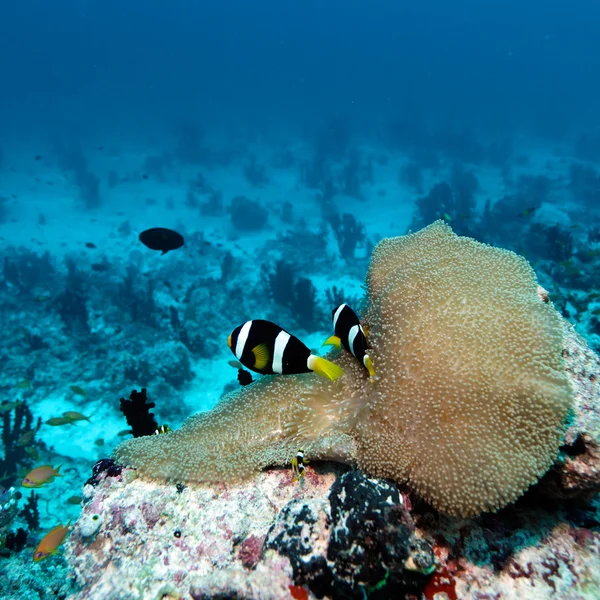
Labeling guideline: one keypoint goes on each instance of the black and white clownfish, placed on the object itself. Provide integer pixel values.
(298, 463)
(349, 333)
(266, 348)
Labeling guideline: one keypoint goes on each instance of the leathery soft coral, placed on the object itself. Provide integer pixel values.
(470, 401)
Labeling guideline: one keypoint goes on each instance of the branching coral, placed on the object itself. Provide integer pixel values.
(470, 403)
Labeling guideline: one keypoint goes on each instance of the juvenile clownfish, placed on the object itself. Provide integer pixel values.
(349, 334)
(244, 378)
(298, 463)
(266, 348)
(162, 429)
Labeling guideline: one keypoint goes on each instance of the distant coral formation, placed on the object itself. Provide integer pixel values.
(470, 403)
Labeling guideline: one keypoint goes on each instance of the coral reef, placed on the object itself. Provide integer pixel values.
(336, 535)
(470, 402)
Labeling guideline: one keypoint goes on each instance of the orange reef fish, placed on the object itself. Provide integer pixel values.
(75, 416)
(41, 475)
(50, 542)
(56, 421)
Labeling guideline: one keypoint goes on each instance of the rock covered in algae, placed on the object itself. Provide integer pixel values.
(268, 537)
(470, 402)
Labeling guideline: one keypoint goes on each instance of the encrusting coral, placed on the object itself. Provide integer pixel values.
(469, 407)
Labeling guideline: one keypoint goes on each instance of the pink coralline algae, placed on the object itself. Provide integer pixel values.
(250, 550)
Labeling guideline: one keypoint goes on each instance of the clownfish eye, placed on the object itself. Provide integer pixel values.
(38, 554)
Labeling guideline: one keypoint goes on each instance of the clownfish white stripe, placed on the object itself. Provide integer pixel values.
(351, 335)
(242, 339)
(280, 343)
(336, 315)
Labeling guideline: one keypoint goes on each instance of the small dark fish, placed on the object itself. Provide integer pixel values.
(8, 406)
(160, 238)
(99, 267)
(32, 452)
(144, 176)
(74, 500)
(99, 147)
(528, 211)
(78, 391)
(244, 377)
(38, 157)
(236, 364)
(26, 438)
(90, 245)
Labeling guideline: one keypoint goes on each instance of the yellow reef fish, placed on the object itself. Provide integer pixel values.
(41, 475)
(74, 500)
(79, 391)
(56, 421)
(8, 406)
(75, 416)
(50, 542)
(99, 442)
(24, 384)
(26, 438)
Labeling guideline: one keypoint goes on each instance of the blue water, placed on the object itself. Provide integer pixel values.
(338, 123)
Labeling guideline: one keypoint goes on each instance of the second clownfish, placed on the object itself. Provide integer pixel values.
(349, 334)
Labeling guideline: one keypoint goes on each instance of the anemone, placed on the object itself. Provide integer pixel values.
(468, 408)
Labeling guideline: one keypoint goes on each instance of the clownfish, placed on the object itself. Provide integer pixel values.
(349, 334)
(298, 463)
(266, 348)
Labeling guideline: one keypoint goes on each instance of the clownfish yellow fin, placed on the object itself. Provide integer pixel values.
(365, 329)
(261, 356)
(333, 340)
(324, 367)
(369, 365)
